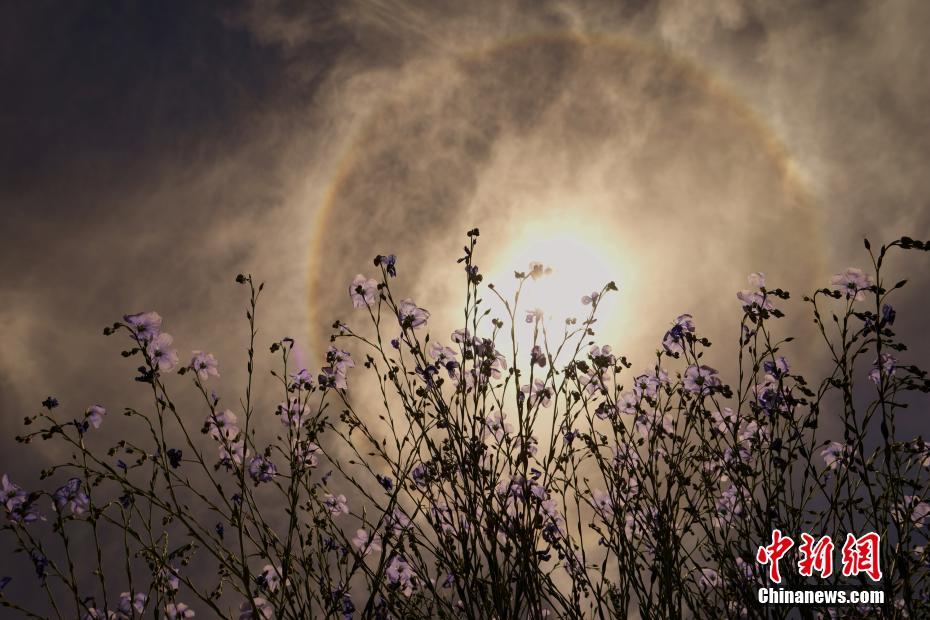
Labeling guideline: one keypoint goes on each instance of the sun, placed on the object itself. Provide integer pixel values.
(580, 259)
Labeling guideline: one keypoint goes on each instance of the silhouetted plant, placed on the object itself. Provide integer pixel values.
(485, 480)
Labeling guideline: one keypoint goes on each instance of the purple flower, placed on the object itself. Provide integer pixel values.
(127, 603)
(363, 291)
(534, 316)
(836, 455)
(366, 543)
(603, 504)
(19, 507)
(50, 403)
(852, 282)
(94, 414)
(701, 379)
(303, 379)
(885, 367)
(410, 315)
(40, 563)
(204, 364)
(71, 494)
(497, 425)
(537, 357)
(587, 300)
(178, 611)
(144, 325)
(335, 374)
(336, 504)
(399, 574)
(163, 356)
(305, 453)
(724, 419)
(270, 578)
(755, 295)
(265, 610)
(292, 413)
(385, 481)
(778, 368)
(262, 469)
(675, 337)
(537, 393)
(914, 510)
(389, 263)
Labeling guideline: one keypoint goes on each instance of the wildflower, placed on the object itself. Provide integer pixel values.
(164, 358)
(498, 427)
(204, 364)
(167, 580)
(399, 574)
(292, 412)
(410, 315)
(836, 454)
(587, 300)
(537, 393)
(127, 603)
(445, 357)
(646, 385)
(94, 414)
(538, 270)
(701, 379)
(885, 367)
(264, 608)
(339, 363)
(178, 611)
(222, 425)
(397, 521)
(270, 578)
(628, 402)
(50, 403)
(389, 263)
(302, 379)
(914, 510)
(262, 469)
(335, 504)
(603, 504)
(144, 325)
(19, 507)
(755, 296)
(852, 282)
(534, 316)
(778, 368)
(363, 291)
(730, 505)
(40, 563)
(366, 543)
(385, 481)
(174, 457)
(710, 578)
(537, 357)
(305, 453)
(73, 496)
(675, 337)
(724, 419)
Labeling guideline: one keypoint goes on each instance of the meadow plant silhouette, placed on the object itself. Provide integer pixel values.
(486, 480)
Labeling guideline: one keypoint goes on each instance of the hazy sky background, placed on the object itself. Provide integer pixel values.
(150, 151)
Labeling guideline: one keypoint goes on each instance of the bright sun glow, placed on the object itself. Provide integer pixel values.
(583, 259)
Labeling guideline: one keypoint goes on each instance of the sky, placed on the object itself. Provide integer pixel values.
(149, 152)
